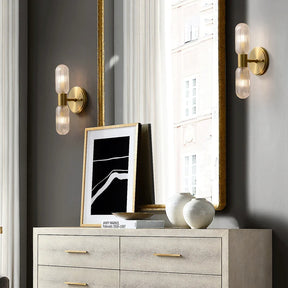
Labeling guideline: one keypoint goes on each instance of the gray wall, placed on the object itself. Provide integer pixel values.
(266, 130)
(59, 32)
(256, 130)
(65, 32)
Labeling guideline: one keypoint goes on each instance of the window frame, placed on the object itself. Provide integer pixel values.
(190, 105)
(190, 175)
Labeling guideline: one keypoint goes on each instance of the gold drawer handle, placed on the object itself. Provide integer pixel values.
(167, 255)
(76, 252)
(76, 284)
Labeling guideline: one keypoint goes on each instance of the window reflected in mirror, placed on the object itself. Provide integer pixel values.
(168, 75)
(194, 41)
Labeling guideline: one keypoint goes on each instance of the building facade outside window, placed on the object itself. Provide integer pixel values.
(192, 41)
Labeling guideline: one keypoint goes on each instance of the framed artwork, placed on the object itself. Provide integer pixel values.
(109, 172)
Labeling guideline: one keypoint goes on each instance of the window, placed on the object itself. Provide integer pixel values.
(190, 97)
(190, 170)
(191, 32)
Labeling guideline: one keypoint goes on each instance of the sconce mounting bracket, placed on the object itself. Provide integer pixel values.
(77, 99)
(258, 61)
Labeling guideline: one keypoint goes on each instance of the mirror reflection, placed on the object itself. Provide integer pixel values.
(166, 57)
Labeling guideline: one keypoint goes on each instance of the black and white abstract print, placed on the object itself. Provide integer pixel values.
(110, 175)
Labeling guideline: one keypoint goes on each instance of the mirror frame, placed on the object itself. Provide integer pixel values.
(100, 65)
(222, 99)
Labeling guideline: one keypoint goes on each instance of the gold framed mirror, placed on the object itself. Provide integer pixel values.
(208, 26)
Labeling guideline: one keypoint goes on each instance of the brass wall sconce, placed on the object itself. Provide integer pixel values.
(75, 100)
(257, 61)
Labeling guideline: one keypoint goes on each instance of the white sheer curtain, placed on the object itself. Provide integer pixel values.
(9, 141)
(146, 91)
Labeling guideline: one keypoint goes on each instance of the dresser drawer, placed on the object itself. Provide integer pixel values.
(59, 277)
(168, 254)
(79, 251)
(164, 280)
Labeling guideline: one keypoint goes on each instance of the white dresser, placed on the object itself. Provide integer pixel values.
(182, 258)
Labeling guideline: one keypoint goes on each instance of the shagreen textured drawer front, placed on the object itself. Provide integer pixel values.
(63, 277)
(163, 254)
(128, 279)
(79, 251)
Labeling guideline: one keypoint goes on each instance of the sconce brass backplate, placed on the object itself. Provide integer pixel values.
(77, 99)
(258, 61)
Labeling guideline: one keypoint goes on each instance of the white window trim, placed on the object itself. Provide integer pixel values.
(190, 79)
(191, 32)
(184, 175)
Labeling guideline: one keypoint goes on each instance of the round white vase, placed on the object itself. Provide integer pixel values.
(198, 213)
(174, 208)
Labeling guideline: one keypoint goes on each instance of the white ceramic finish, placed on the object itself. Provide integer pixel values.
(198, 213)
(174, 208)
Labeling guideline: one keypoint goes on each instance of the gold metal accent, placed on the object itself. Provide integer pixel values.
(258, 61)
(84, 167)
(83, 178)
(133, 215)
(62, 99)
(154, 208)
(101, 63)
(77, 99)
(222, 106)
(1, 230)
(222, 100)
(75, 284)
(167, 255)
(242, 60)
(76, 251)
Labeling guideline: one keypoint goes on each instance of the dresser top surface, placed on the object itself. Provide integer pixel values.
(145, 232)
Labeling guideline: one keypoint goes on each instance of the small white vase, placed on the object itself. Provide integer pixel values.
(198, 213)
(174, 208)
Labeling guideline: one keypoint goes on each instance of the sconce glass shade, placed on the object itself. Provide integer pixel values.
(242, 85)
(62, 120)
(242, 38)
(62, 79)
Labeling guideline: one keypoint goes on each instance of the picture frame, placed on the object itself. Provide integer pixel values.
(109, 172)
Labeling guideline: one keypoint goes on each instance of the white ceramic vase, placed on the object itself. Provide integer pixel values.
(198, 213)
(174, 208)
